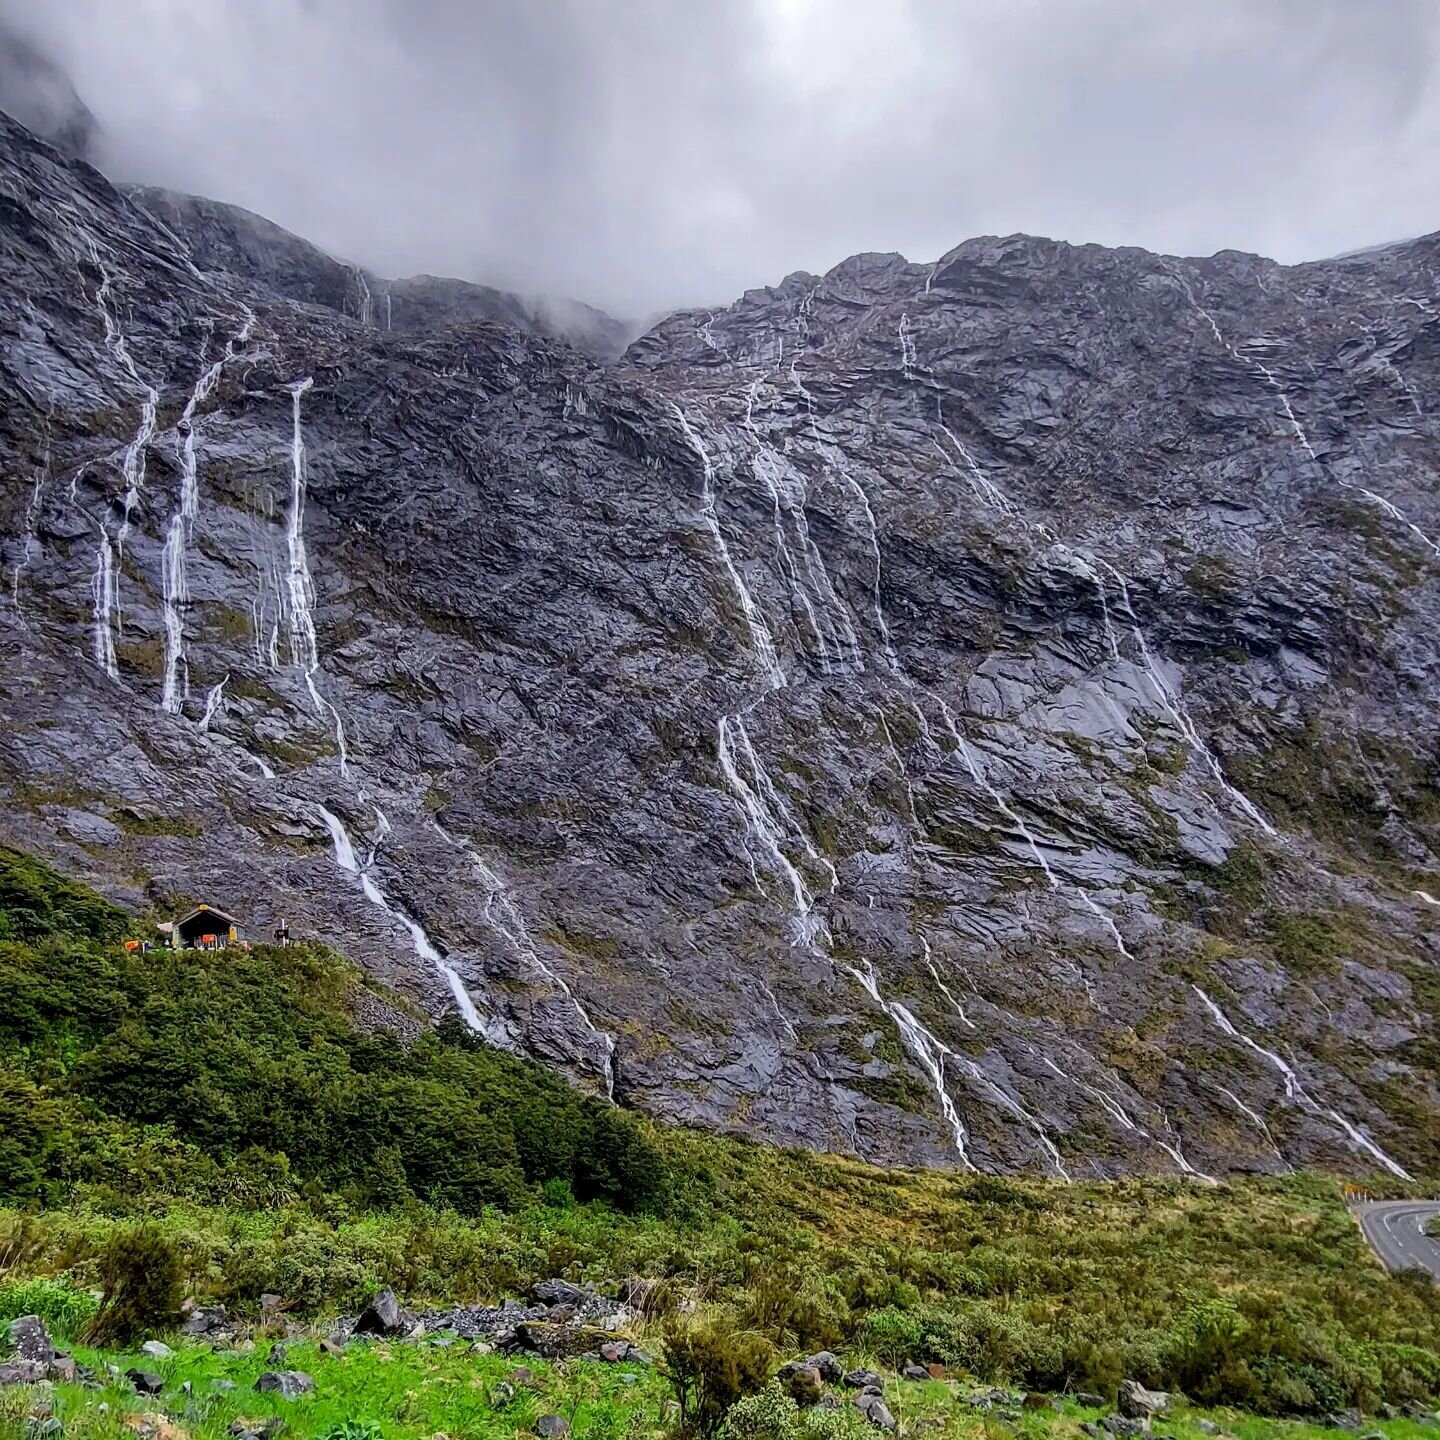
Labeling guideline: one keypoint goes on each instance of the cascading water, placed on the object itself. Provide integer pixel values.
(1258, 367)
(503, 916)
(300, 588)
(345, 858)
(928, 1050)
(761, 641)
(103, 586)
(1172, 706)
(1117, 1112)
(762, 832)
(214, 702)
(175, 596)
(1296, 1091)
(835, 637)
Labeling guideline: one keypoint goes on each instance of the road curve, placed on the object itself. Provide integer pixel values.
(1396, 1232)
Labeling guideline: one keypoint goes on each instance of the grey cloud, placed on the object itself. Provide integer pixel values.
(642, 154)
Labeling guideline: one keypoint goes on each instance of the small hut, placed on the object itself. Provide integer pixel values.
(205, 928)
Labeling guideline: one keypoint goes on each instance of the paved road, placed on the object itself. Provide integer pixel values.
(1396, 1232)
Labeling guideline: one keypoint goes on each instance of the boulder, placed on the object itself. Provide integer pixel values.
(205, 1320)
(874, 1409)
(559, 1342)
(860, 1379)
(802, 1383)
(613, 1351)
(288, 1384)
(1138, 1403)
(63, 1370)
(831, 1371)
(552, 1427)
(914, 1372)
(29, 1340)
(156, 1350)
(382, 1316)
(151, 1425)
(145, 1382)
(1088, 1400)
(22, 1372)
(1121, 1426)
(560, 1292)
(257, 1427)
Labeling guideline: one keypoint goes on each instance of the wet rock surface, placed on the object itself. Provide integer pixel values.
(979, 714)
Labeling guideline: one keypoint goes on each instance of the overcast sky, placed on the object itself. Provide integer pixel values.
(647, 154)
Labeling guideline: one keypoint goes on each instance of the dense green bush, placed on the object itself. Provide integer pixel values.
(238, 1075)
(711, 1364)
(144, 1286)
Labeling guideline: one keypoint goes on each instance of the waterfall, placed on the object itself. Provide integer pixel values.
(944, 989)
(833, 455)
(175, 597)
(761, 641)
(1296, 1091)
(908, 360)
(103, 586)
(929, 1051)
(214, 701)
(985, 489)
(133, 463)
(1117, 1112)
(423, 946)
(503, 916)
(1257, 1120)
(977, 774)
(1173, 707)
(300, 588)
(1258, 367)
(763, 832)
(786, 503)
(364, 304)
(32, 514)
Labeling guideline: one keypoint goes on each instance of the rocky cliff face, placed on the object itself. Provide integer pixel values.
(977, 714)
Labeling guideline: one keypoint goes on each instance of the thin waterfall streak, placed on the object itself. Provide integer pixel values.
(423, 946)
(214, 701)
(503, 917)
(760, 825)
(1257, 1120)
(760, 639)
(1256, 366)
(928, 1051)
(104, 603)
(1296, 1091)
(1174, 708)
(304, 644)
(174, 597)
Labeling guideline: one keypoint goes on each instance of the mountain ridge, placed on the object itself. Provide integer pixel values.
(975, 714)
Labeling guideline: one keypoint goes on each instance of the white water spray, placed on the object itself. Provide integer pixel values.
(214, 703)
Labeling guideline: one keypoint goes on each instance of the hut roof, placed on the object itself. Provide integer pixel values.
(208, 911)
